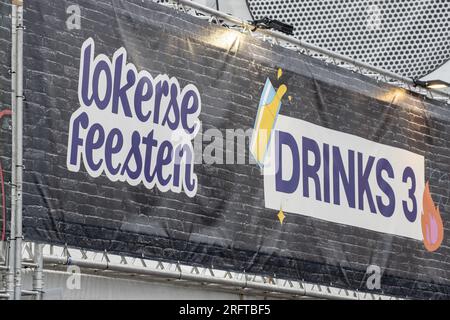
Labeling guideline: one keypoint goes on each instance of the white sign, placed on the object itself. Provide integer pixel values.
(341, 178)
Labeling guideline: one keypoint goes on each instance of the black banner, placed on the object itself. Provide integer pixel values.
(153, 133)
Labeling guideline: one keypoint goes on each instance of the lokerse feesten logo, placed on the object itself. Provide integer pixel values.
(126, 123)
(341, 178)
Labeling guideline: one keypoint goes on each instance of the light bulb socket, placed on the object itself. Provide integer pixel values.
(267, 23)
(431, 84)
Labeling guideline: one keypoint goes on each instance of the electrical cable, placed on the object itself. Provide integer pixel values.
(3, 203)
(6, 112)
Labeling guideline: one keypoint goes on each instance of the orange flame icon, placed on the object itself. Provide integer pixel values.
(432, 226)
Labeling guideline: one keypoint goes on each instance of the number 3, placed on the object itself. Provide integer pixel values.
(408, 174)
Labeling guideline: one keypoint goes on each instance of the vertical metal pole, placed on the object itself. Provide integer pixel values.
(12, 236)
(38, 281)
(19, 146)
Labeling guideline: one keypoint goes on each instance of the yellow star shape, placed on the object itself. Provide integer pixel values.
(280, 73)
(281, 216)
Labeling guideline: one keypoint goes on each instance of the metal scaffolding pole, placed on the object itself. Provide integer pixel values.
(15, 251)
(12, 240)
(38, 281)
(19, 146)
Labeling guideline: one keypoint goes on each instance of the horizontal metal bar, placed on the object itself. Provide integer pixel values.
(24, 292)
(112, 265)
(199, 278)
(30, 293)
(29, 265)
(24, 264)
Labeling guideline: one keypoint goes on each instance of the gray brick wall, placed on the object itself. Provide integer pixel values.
(226, 224)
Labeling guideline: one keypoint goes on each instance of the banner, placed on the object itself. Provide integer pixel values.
(156, 134)
(345, 179)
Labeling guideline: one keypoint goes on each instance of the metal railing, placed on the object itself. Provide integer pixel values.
(303, 47)
(121, 266)
(42, 258)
